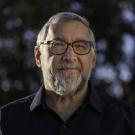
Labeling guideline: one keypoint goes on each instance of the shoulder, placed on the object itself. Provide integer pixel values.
(15, 115)
(116, 114)
(18, 105)
(115, 106)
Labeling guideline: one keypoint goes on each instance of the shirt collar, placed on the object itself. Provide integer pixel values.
(39, 99)
(92, 99)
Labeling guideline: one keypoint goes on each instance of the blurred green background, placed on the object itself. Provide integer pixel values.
(113, 23)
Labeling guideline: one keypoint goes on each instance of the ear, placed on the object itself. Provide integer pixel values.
(94, 59)
(37, 56)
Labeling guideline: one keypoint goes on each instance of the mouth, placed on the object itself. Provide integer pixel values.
(69, 69)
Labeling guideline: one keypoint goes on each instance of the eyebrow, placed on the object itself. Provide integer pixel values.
(62, 39)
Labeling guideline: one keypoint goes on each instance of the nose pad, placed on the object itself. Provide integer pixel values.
(69, 55)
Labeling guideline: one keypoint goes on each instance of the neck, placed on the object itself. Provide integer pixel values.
(65, 106)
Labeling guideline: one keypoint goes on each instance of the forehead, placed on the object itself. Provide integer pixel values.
(74, 29)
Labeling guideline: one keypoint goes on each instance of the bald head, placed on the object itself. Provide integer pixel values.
(61, 18)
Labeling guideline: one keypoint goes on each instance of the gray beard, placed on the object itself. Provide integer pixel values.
(66, 84)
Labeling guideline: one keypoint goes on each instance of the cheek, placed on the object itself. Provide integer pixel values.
(86, 66)
(46, 62)
(54, 61)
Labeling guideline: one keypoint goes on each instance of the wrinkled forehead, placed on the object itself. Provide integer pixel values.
(57, 26)
(55, 22)
(64, 19)
(69, 27)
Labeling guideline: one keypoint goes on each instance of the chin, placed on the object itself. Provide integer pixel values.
(66, 92)
(67, 86)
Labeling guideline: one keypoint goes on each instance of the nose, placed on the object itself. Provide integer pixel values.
(69, 55)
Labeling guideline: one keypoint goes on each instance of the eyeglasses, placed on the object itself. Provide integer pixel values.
(59, 47)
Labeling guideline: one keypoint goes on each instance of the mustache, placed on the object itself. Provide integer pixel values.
(69, 65)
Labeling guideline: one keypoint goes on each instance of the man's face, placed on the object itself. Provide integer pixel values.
(66, 73)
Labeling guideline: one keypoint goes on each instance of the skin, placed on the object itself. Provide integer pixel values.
(65, 105)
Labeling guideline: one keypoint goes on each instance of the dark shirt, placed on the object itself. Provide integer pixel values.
(100, 114)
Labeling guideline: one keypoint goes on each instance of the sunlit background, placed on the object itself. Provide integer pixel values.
(112, 21)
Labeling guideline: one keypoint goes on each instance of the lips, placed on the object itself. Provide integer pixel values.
(69, 69)
(65, 66)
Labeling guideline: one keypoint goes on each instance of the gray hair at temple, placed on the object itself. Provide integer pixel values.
(61, 17)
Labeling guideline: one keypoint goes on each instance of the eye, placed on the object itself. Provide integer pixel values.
(80, 46)
(58, 43)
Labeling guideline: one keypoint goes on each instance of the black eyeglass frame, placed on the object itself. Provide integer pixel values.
(90, 43)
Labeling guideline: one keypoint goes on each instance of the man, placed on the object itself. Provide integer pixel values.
(66, 103)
